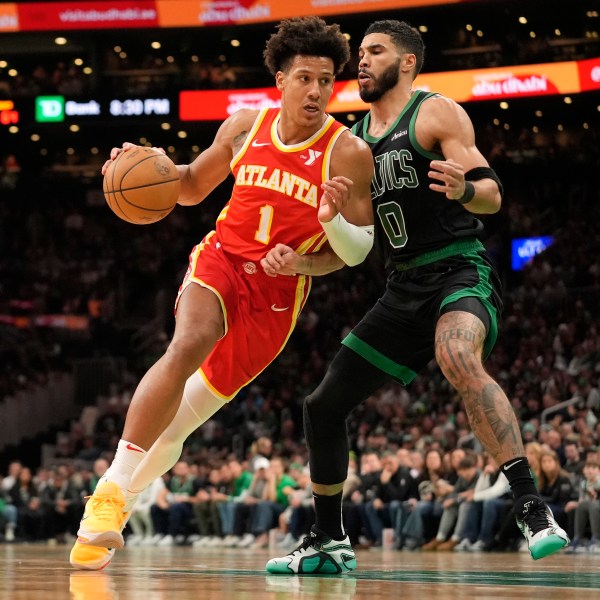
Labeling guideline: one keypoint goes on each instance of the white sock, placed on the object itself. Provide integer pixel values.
(197, 406)
(127, 458)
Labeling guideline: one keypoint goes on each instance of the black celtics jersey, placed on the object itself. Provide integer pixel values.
(410, 218)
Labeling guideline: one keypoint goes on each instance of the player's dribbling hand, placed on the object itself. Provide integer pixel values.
(281, 260)
(451, 178)
(115, 152)
(336, 193)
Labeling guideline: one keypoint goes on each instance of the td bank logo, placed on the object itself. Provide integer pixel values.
(49, 109)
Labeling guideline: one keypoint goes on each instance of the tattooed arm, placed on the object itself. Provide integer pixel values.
(211, 167)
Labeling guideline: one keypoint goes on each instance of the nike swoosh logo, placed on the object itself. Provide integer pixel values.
(276, 309)
(256, 144)
(130, 447)
(507, 467)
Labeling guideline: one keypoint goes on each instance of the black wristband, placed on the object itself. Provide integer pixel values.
(469, 193)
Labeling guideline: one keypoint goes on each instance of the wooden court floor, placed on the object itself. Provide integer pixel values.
(42, 572)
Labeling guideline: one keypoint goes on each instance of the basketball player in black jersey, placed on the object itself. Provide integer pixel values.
(442, 297)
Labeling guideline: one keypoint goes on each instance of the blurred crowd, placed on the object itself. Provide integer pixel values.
(398, 496)
(156, 62)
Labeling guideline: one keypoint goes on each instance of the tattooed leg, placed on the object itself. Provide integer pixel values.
(458, 349)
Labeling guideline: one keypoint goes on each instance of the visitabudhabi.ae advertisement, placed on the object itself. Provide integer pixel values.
(125, 14)
(463, 86)
(182, 13)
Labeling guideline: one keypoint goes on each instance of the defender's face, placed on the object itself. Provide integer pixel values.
(306, 88)
(378, 67)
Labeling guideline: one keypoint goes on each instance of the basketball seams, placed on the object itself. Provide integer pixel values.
(139, 162)
(112, 185)
(139, 187)
(145, 208)
(117, 197)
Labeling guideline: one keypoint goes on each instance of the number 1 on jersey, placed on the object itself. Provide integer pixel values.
(263, 233)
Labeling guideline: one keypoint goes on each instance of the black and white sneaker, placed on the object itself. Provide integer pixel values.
(317, 554)
(535, 520)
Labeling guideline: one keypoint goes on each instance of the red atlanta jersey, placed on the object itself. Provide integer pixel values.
(277, 190)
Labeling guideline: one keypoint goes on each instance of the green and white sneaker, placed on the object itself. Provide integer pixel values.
(543, 534)
(317, 554)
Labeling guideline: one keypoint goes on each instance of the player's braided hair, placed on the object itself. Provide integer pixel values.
(306, 36)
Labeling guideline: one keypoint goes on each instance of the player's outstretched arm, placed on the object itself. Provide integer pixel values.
(346, 210)
(212, 166)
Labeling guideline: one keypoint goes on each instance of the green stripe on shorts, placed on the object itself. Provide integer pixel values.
(403, 374)
(482, 291)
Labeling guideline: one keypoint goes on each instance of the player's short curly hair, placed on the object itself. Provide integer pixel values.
(306, 36)
(405, 37)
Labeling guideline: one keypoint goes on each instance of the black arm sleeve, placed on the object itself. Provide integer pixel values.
(479, 173)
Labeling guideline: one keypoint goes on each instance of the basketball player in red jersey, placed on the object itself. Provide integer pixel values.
(302, 185)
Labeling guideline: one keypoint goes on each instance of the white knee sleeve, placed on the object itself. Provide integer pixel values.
(197, 406)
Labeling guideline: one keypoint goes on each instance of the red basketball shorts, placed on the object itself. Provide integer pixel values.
(260, 314)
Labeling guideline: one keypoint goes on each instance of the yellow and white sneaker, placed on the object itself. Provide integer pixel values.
(104, 519)
(90, 558)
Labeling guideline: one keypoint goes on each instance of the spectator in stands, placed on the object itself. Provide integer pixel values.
(140, 520)
(418, 520)
(246, 509)
(297, 519)
(491, 501)
(533, 451)
(394, 487)
(279, 486)
(263, 447)
(14, 468)
(573, 462)
(8, 516)
(25, 497)
(555, 442)
(350, 505)
(172, 512)
(241, 480)
(206, 508)
(556, 487)
(61, 502)
(587, 509)
(353, 509)
(456, 507)
(98, 469)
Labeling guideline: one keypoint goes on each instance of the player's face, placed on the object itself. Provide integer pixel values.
(307, 86)
(378, 67)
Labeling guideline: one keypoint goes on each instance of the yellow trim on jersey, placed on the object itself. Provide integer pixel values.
(303, 282)
(223, 213)
(192, 279)
(320, 244)
(205, 285)
(302, 145)
(249, 138)
(306, 244)
(213, 389)
(328, 150)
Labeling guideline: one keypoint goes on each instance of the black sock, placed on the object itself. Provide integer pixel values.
(518, 473)
(328, 515)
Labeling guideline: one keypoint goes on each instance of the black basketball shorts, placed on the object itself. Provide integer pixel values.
(397, 334)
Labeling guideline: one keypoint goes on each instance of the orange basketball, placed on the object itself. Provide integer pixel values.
(142, 185)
